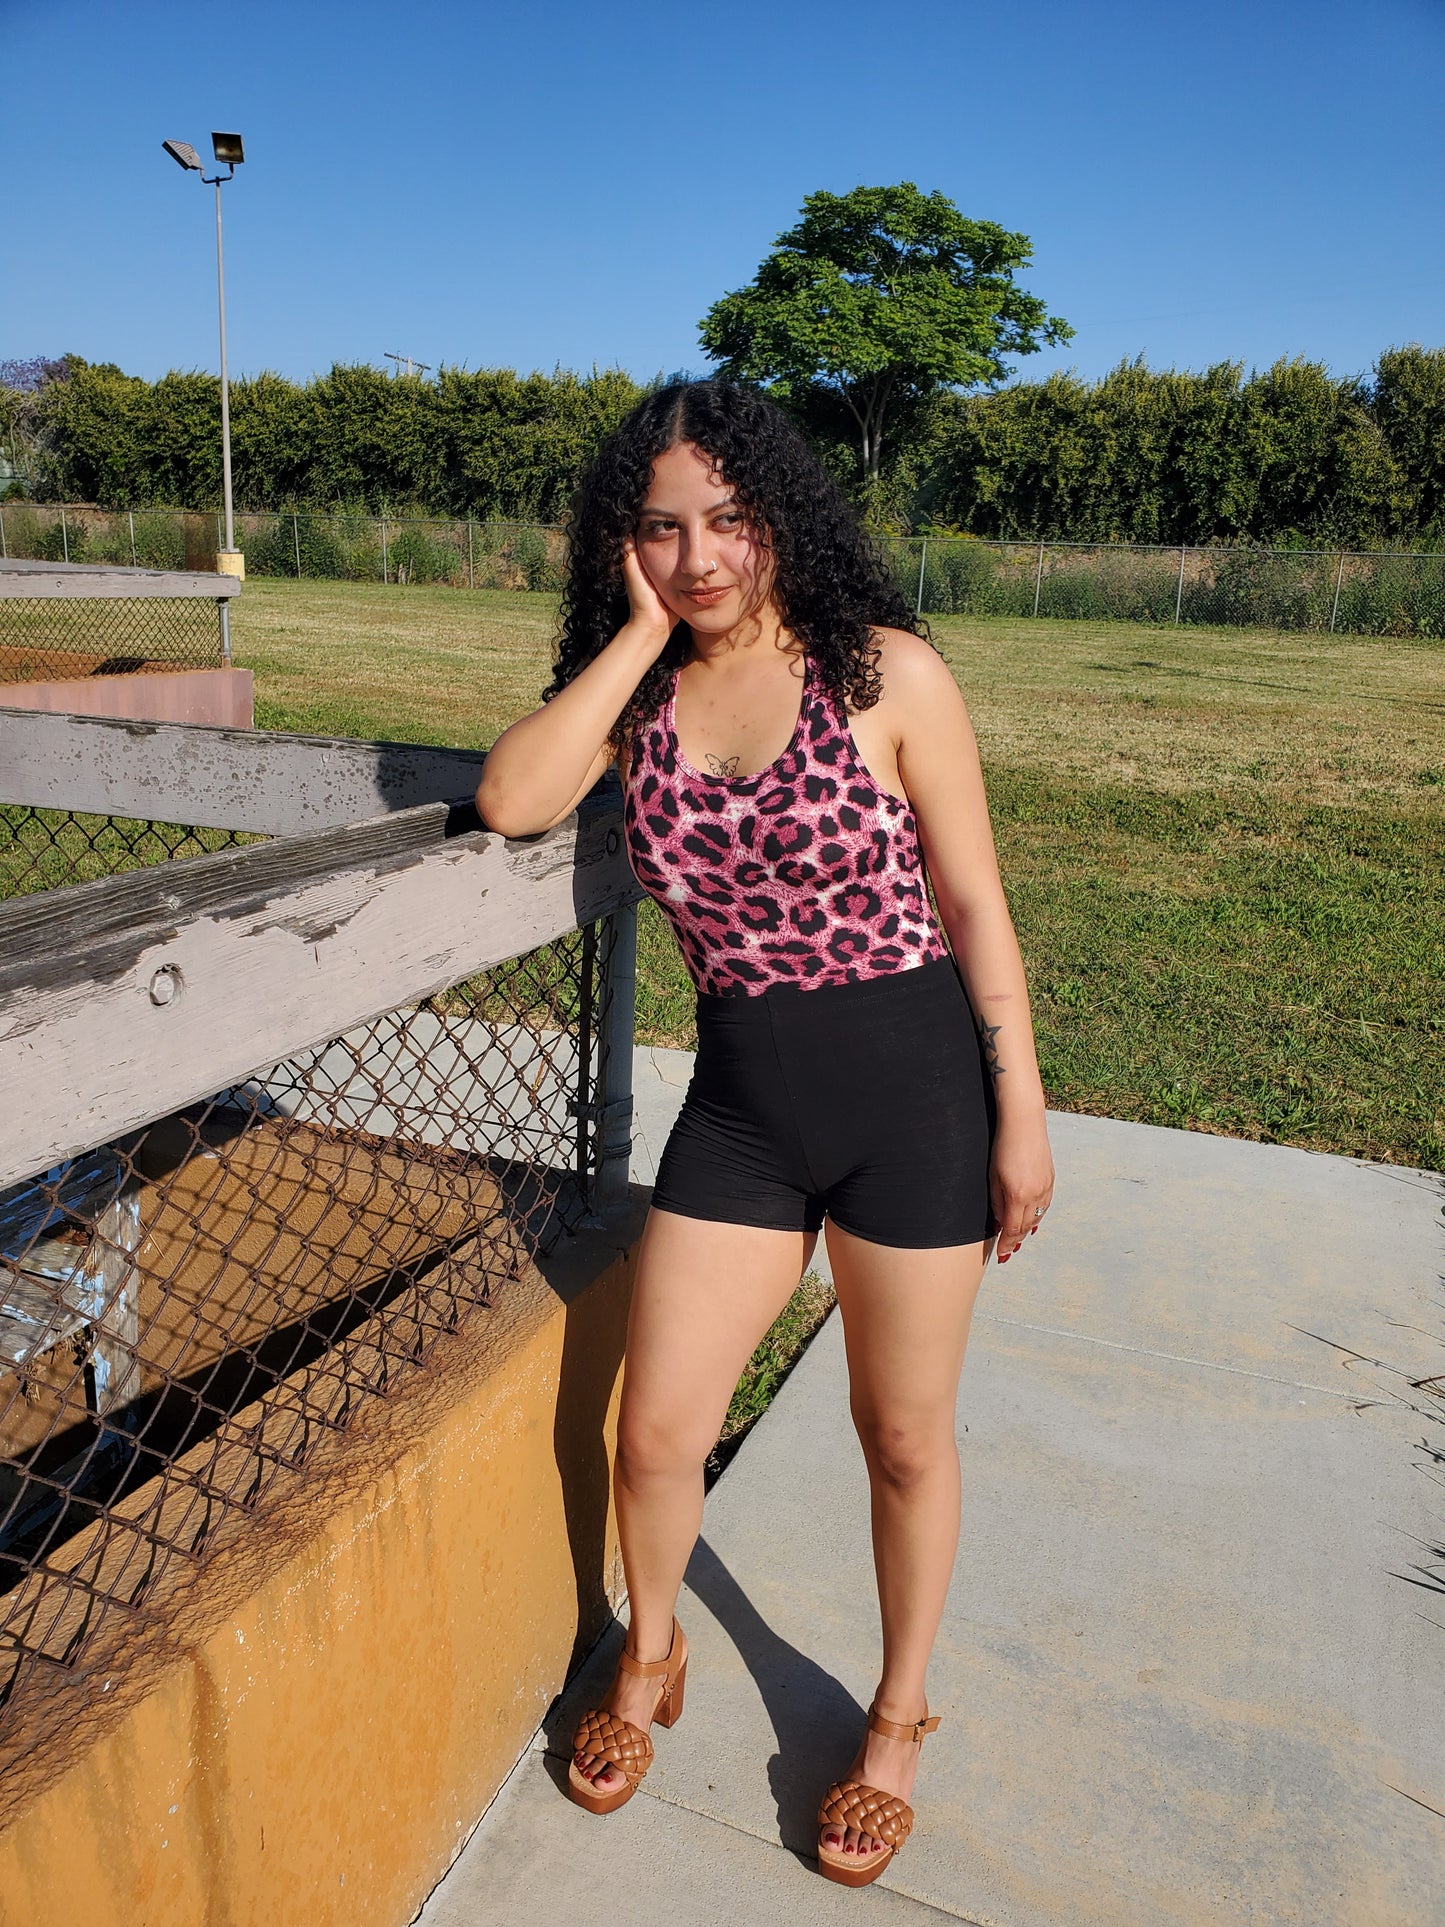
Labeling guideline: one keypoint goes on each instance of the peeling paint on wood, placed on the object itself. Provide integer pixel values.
(37, 931)
(262, 781)
(272, 949)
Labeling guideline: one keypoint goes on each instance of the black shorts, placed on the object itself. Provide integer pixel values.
(867, 1101)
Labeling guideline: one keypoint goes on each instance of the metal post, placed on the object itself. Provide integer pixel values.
(296, 541)
(225, 609)
(4, 549)
(471, 566)
(64, 533)
(130, 516)
(1339, 579)
(225, 383)
(1179, 592)
(922, 561)
(385, 575)
(1039, 577)
(614, 1066)
(582, 1106)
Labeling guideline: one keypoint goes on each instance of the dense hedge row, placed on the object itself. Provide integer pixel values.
(1289, 456)
(487, 443)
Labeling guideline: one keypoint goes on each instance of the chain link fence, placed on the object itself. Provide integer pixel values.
(189, 1307)
(332, 548)
(67, 636)
(46, 849)
(1385, 594)
(1389, 593)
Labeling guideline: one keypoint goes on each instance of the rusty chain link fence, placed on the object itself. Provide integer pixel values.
(189, 1306)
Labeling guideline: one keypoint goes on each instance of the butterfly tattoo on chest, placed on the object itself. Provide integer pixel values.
(722, 765)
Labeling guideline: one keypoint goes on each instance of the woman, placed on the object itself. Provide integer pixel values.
(792, 751)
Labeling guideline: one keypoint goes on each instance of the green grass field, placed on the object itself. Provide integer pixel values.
(778, 1352)
(1225, 849)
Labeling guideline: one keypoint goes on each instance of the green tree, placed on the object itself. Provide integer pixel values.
(880, 298)
(1408, 403)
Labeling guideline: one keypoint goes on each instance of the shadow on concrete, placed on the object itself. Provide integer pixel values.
(593, 1338)
(584, 1688)
(816, 1721)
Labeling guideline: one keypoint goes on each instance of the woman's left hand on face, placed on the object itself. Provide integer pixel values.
(1021, 1183)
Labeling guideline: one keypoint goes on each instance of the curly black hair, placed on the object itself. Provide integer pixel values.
(831, 585)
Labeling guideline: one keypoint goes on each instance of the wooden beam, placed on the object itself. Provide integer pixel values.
(39, 931)
(216, 968)
(232, 779)
(79, 581)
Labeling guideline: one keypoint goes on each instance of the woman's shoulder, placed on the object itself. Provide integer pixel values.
(913, 673)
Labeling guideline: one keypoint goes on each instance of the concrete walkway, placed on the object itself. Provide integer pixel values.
(1192, 1661)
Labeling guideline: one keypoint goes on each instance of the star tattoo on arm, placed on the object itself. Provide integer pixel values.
(988, 1035)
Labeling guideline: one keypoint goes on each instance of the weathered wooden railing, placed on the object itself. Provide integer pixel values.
(275, 1116)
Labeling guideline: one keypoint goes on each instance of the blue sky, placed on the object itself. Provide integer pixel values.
(562, 183)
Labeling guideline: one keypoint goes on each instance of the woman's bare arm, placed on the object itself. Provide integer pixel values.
(939, 765)
(541, 767)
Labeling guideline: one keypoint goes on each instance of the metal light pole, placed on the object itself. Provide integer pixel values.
(230, 153)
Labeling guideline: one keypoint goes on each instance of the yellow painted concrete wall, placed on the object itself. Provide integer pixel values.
(308, 1727)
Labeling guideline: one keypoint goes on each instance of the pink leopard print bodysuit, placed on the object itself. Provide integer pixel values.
(804, 873)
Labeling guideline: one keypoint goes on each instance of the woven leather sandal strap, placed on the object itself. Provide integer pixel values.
(902, 1729)
(621, 1744)
(882, 1815)
(648, 1668)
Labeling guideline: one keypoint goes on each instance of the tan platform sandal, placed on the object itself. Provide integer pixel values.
(620, 1744)
(882, 1816)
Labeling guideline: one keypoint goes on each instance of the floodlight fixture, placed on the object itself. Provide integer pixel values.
(230, 152)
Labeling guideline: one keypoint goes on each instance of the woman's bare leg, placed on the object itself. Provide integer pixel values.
(905, 1322)
(703, 1296)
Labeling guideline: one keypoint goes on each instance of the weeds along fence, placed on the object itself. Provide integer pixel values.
(281, 1115)
(1388, 593)
(329, 548)
(1383, 594)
